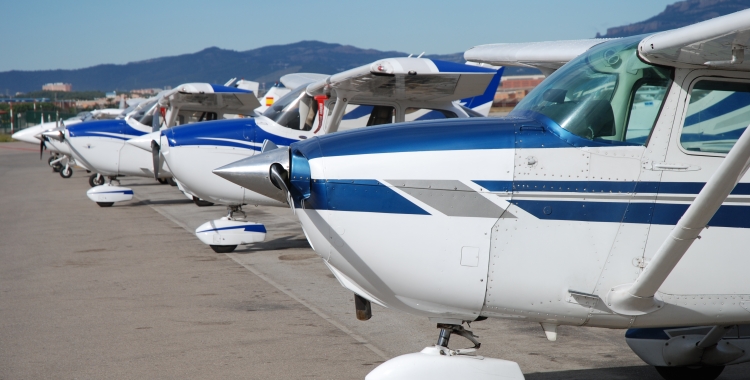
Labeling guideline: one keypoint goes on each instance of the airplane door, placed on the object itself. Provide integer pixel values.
(715, 112)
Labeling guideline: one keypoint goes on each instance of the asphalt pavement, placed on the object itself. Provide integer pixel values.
(130, 292)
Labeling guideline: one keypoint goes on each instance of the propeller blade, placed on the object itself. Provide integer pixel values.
(41, 146)
(279, 178)
(155, 157)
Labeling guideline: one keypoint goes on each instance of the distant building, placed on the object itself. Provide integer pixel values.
(521, 81)
(59, 86)
(514, 88)
(145, 91)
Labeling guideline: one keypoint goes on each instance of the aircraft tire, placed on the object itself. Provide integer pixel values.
(690, 372)
(105, 204)
(171, 181)
(223, 248)
(162, 181)
(66, 172)
(201, 203)
(94, 182)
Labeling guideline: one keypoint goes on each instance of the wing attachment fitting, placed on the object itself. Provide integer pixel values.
(546, 56)
(719, 43)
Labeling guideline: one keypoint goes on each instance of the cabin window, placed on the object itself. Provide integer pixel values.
(607, 94)
(718, 113)
(295, 110)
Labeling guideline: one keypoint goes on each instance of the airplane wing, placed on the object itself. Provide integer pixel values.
(298, 79)
(719, 43)
(212, 97)
(546, 56)
(413, 79)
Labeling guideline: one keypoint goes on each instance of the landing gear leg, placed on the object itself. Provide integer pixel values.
(444, 337)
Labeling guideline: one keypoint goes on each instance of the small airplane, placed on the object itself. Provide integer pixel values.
(60, 152)
(614, 195)
(386, 91)
(101, 145)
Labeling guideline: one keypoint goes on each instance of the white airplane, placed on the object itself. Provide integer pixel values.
(387, 91)
(101, 145)
(614, 195)
(60, 152)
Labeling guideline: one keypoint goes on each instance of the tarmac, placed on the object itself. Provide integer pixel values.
(130, 292)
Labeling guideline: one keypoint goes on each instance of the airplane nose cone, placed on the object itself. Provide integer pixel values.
(144, 142)
(25, 135)
(254, 173)
(55, 134)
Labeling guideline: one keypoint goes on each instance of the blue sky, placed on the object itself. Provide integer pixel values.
(54, 34)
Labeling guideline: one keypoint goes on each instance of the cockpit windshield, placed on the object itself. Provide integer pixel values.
(606, 94)
(142, 115)
(295, 110)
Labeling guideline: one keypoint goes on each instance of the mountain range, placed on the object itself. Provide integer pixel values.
(678, 15)
(267, 64)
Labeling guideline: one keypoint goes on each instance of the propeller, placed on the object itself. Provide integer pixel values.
(155, 157)
(42, 147)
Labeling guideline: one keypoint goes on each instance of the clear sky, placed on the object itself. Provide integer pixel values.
(55, 34)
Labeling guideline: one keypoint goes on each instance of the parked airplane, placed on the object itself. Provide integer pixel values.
(60, 160)
(101, 145)
(387, 91)
(614, 195)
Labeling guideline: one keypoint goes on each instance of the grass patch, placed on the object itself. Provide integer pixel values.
(5, 138)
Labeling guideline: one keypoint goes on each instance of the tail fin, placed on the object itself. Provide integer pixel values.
(483, 103)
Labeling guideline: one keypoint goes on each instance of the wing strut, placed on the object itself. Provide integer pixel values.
(640, 297)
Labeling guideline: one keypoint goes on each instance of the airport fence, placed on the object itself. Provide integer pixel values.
(28, 119)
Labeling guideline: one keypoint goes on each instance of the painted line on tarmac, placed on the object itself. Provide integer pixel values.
(278, 286)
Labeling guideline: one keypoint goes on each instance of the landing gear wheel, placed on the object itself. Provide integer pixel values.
(105, 204)
(201, 203)
(162, 181)
(171, 181)
(49, 161)
(96, 180)
(690, 372)
(223, 248)
(66, 172)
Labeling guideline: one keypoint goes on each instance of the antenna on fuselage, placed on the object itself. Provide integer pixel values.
(420, 56)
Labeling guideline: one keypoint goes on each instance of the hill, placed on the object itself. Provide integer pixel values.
(679, 14)
(215, 65)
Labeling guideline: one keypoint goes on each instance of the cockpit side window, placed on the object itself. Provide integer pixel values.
(597, 96)
(295, 110)
(381, 115)
(717, 115)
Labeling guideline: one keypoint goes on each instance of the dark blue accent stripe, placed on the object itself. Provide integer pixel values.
(603, 187)
(623, 212)
(93, 129)
(360, 196)
(218, 88)
(115, 192)
(652, 333)
(358, 112)
(239, 132)
(453, 67)
(247, 227)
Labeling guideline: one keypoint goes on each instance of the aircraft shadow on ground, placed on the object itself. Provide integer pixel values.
(282, 243)
(162, 202)
(616, 373)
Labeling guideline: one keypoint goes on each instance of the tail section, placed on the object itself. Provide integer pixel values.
(483, 103)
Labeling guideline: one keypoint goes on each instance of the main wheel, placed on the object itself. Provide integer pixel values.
(66, 172)
(105, 204)
(201, 203)
(96, 180)
(223, 248)
(703, 372)
(171, 181)
(162, 181)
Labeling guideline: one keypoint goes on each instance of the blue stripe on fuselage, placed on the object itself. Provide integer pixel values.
(104, 129)
(361, 196)
(247, 228)
(236, 133)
